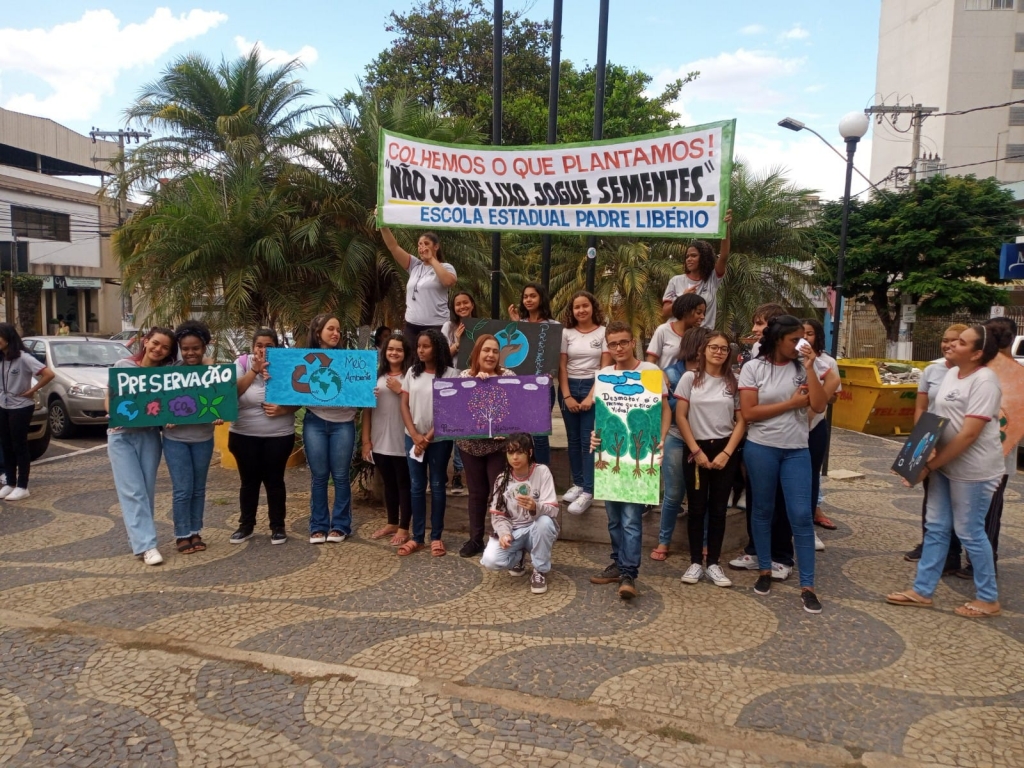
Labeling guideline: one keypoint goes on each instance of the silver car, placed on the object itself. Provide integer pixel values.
(78, 391)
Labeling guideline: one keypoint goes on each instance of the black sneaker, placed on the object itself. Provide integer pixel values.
(811, 602)
(241, 535)
(471, 548)
(967, 572)
(609, 575)
(627, 588)
(519, 569)
(763, 585)
(278, 537)
(458, 489)
(914, 555)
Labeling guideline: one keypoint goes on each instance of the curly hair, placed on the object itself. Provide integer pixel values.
(442, 354)
(706, 254)
(686, 304)
(596, 315)
(195, 328)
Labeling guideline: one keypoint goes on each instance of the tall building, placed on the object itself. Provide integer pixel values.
(953, 55)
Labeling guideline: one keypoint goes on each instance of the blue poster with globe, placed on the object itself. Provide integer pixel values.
(342, 378)
(529, 349)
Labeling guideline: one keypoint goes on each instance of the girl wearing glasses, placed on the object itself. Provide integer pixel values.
(426, 292)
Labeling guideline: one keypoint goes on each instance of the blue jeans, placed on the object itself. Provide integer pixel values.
(435, 461)
(537, 538)
(541, 443)
(672, 475)
(790, 467)
(961, 506)
(457, 461)
(134, 459)
(578, 428)
(329, 447)
(188, 465)
(625, 527)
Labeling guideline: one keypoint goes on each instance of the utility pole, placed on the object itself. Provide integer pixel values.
(9, 299)
(918, 114)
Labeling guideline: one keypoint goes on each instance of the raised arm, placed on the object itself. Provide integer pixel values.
(399, 253)
(723, 255)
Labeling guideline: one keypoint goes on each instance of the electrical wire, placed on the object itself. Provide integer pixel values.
(975, 109)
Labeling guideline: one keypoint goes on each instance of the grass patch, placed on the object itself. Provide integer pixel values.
(677, 734)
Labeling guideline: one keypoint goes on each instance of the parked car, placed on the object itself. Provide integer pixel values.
(1017, 350)
(129, 338)
(77, 394)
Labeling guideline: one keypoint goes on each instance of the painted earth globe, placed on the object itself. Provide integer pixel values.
(325, 384)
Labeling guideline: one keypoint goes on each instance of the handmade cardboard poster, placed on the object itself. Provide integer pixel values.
(178, 394)
(467, 408)
(341, 378)
(627, 418)
(530, 349)
(915, 452)
(1011, 416)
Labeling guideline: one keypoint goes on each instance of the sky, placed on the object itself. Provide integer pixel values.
(82, 64)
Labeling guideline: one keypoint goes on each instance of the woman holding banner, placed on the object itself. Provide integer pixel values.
(535, 307)
(703, 276)
(426, 292)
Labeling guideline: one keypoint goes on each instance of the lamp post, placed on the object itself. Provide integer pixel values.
(852, 128)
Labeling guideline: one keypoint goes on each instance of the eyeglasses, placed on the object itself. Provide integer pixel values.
(619, 344)
(716, 349)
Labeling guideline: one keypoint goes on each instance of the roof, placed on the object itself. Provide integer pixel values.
(40, 144)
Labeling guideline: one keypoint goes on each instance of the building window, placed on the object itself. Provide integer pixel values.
(988, 5)
(1018, 78)
(41, 225)
(1016, 115)
(1019, 47)
(1015, 153)
(6, 250)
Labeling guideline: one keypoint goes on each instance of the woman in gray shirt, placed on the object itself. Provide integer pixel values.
(21, 376)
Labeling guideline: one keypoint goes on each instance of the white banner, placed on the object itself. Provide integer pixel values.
(673, 184)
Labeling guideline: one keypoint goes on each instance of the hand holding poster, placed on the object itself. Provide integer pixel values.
(627, 417)
(672, 184)
(915, 452)
(337, 378)
(469, 407)
(155, 397)
(526, 348)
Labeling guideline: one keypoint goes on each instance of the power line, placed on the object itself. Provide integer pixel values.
(977, 109)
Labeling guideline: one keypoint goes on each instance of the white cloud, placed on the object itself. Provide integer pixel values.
(752, 29)
(307, 54)
(80, 61)
(808, 162)
(814, 88)
(796, 32)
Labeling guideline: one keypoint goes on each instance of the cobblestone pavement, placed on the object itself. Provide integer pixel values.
(344, 655)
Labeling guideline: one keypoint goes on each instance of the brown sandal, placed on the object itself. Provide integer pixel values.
(437, 548)
(971, 611)
(381, 533)
(185, 546)
(409, 547)
(198, 543)
(908, 598)
(659, 554)
(399, 538)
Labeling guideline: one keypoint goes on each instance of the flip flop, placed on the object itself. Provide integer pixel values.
(409, 547)
(659, 554)
(437, 548)
(399, 539)
(380, 533)
(825, 523)
(974, 612)
(909, 599)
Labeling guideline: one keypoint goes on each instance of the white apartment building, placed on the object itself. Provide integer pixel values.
(954, 55)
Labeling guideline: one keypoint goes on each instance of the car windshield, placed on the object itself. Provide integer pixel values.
(99, 354)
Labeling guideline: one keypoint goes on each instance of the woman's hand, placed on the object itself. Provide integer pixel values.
(720, 460)
(422, 442)
(809, 356)
(595, 441)
(367, 451)
(505, 540)
(218, 422)
(460, 330)
(513, 312)
(571, 404)
(272, 410)
(258, 363)
(701, 460)
(395, 384)
(800, 399)
(527, 503)
(588, 403)
(485, 375)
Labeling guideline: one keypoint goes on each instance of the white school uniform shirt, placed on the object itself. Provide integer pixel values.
(387, 429)
(583, 351)
(252, 420)
(15, 377)
(823, 363)
(426, 299)
(979, 396)
(931, 380)
(665, 344)
(706, 289)
(538, 485)
(776, 383)
(421, 397)
(712, 409)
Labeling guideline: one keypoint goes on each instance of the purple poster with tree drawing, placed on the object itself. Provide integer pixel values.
(468, 408)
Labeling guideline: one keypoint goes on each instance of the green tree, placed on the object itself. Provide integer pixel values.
(601, 417)
(936, 243)
(639, 437)
(615, 438)
(654, 434)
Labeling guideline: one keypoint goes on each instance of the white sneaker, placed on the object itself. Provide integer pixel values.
(693, 574)
(572, 494)
(819, 545)
(717, 576)
(582, 504)
(18, 494)
(152, 557)
(781, 572)
(6, 491)
(744, 563)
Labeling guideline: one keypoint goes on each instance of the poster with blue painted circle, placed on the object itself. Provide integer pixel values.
(529, 349)
(333, 378)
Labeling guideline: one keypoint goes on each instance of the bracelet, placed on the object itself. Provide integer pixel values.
(727, 453)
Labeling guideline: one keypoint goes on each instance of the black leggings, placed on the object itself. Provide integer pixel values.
(261, 461)
(481, 473)
(14, 424)
(394, 472)
(711, 498)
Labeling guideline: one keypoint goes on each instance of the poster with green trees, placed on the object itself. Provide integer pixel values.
(627, 417)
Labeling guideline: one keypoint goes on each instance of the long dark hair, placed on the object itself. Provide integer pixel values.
(383, 366)
(727, 374)
(987, 343)
(686, 304)
(819, 334)
(195, 328)
(596, 315)
(316, 327)
(15, 346)
(1004, 329)
(442, 354)
(436, 241)
(456, 320)
(693, 343)
(706, 264)
(516, 441)
(172, 353)
(543, 308)
(783, 325)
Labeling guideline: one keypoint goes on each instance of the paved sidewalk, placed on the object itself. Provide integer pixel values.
(346, 655)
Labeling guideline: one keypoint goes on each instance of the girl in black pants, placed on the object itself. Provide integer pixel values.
(383, 438)
(708, 417)
(261, 440)
(17, 388)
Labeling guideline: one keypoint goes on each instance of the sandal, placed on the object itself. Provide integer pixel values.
(972, 611)
(185, 546)
(908, 598)
(825, 523)
(399, 538)
(437, 548)
(387, 530)
(198, 543)
(659, 554)
(408, 548)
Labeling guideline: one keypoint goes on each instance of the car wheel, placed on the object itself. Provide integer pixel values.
(60, 423)
(36, 448)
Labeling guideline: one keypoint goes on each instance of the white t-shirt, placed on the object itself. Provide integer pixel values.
(15, 377)
(426, 300)
(776, 384)
(252, 420)
(386, 427)
(708, 289)
(931, 380)
(665, 344)
(823, 363)
(977, 396)
(421, 397)
(712, 410)
(583, 351)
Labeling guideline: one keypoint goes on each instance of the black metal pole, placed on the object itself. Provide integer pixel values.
(851, 148)
(602, 61)
(556, 64)
(496, 141)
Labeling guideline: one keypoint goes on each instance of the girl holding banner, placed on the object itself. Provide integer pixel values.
(535, 307)
(135, 454)
(426, 292)
(703, 276)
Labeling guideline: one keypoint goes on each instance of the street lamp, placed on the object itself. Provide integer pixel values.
(852, 128)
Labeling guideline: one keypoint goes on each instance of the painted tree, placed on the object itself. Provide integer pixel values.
(653, 434)
(601, 417)
(615, 438)
(639, 437)
(488, 405)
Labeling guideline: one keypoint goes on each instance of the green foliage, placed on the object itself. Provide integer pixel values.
(639, 436)
(614, 438)
(937, 243)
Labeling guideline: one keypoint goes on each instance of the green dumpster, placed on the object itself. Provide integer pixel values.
(867, 404)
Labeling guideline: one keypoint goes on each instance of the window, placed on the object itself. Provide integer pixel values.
(988, 5)
(1016, 115)
(41, 225)
(6, 249)
(1015, 153)
(1018, 78)
(1019, 45)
